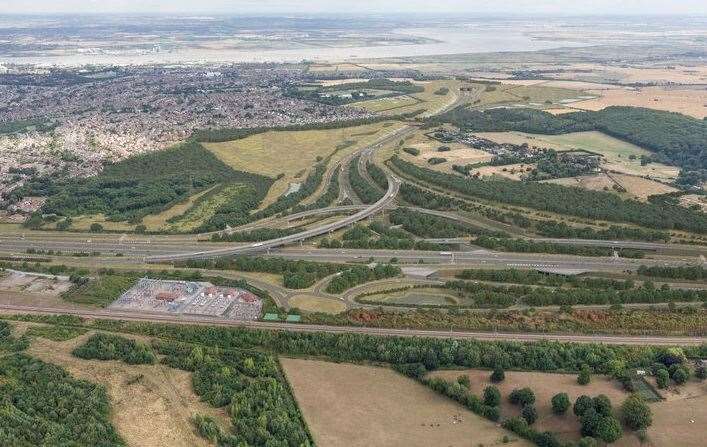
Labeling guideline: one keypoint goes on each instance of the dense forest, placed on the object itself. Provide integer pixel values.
(525, 246)
(696, 272)
(356, 275)
(378, 175)
(363, 189)
(676, 139)
(112, 347)
(296, 274)
(287, 201)
(574, 201)
(42, 405)
(146, 184)
(248, 383)
(326, 199)
(429, 226)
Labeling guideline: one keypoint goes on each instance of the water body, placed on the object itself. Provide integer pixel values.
(439, 41)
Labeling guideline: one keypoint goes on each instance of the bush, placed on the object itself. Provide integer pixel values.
(635, 413)
(680, 375)
(609, 429)
(498, 376)
(96, 228)
(530, 414)
(582, 404)
(522, 396)
(560, 403)
(602, 405)
(464, 381)
(662, 378)
(492, 396)
(584, 376)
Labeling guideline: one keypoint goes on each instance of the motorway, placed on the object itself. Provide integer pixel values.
(451, 333)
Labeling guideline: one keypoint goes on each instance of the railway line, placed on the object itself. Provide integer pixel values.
(311, 328)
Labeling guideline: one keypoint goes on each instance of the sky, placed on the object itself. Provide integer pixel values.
(481, 7)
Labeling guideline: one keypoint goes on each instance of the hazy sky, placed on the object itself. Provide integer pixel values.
(697, 7)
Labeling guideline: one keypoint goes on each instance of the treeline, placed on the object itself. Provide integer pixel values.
(296, 274)
(433, 352)
(287, 201)
(675, 138)
(548, 228)
(534, 277)
(551, 228)
(326, 199)
(693, 272)
(364, 190)
(574, 201)
(485, 295)
(525, 246)
(43, 405)
(235, 212)
(430, 226)
(360, 275)
(113, 347)
(259, 234)
(250, 385)
(378, 236)
(378, 175)
(145, 184)
(229, 134)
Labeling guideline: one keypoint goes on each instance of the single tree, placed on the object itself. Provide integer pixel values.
(522, 396)
(530, 414)
(582, 404)
(492, 396)
(635, 413)
(662, 378)
(560, 403)
(498, 375)
(609, 429)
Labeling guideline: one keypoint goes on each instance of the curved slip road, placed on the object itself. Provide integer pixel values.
(461, 335)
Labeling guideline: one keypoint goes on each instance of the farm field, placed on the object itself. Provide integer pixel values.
(354, 405)
(151, 412)
(545, 385)
(690, 102)
(293, 153)
(311, 303)
(615, 151)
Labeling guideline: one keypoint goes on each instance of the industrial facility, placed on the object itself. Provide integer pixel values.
(190, 298)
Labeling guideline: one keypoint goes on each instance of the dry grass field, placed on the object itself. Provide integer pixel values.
(152, 412)
(677, 421)
(311, 303)
(513, 172)
(528, 94)
(427, 100)
(351, 405)
(545, 386)
(293, 153)
(158, 221)
(636, 187)
(694, 199)
(691, 102)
